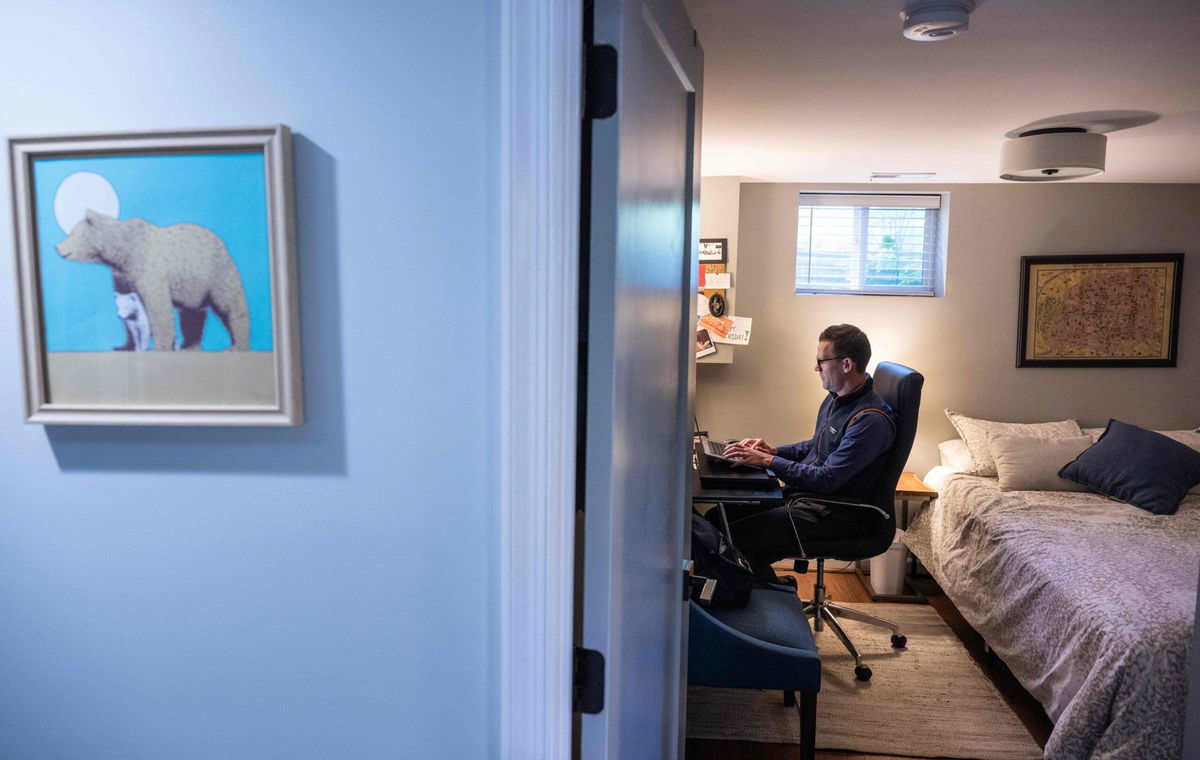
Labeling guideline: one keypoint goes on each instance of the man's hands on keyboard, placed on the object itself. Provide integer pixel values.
(750, 451)
(757, 444)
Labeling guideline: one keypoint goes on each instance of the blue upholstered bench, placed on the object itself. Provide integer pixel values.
(765, 645)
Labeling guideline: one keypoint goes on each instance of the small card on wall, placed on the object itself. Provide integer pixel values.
(718, 326)
(715, 281)
(708, 270)
(704, 344)
(738, 332)
(702, 306)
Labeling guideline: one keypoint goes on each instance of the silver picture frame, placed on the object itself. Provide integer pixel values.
(183, 244)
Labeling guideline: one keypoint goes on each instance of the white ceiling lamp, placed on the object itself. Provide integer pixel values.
(1052, 154)
(933, 20)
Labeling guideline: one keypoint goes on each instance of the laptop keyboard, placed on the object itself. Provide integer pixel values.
(714, 449)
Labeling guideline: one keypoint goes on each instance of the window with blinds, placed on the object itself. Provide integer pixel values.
(867, 244)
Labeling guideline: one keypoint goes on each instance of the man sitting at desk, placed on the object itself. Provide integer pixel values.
(843, 459)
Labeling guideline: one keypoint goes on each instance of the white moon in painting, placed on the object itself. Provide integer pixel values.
(82, 191)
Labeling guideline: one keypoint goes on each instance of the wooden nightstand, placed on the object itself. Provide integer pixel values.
(910, 488)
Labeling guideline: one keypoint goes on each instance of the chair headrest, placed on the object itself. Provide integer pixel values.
(900, 386)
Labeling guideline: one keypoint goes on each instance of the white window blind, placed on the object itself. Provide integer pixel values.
(867, 244)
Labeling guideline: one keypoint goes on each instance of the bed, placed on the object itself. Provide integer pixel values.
(1089, 601)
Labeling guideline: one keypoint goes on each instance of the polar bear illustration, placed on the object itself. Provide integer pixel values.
(183, 265)
(137, 326)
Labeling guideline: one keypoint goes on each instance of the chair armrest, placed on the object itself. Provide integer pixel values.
(822, 499)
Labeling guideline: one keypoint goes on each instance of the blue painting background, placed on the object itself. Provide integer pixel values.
(224, 192)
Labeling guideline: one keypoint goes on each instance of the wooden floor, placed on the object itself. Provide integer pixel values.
(846, 587)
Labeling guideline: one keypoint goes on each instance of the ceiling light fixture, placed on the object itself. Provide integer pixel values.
(933, 20)
(1052, 154)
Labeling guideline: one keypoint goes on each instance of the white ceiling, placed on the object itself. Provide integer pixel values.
(829, 90)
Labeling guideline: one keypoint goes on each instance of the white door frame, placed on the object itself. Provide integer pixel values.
(540, 107)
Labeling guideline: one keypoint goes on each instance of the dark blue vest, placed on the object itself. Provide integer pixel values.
(832, 419)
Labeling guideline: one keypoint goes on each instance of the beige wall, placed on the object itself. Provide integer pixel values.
(964, 342)
(720, 199)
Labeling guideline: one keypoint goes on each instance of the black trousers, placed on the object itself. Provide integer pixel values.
(768, 536)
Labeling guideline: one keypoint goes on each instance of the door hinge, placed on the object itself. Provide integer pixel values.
(587, 685)
(600, 82)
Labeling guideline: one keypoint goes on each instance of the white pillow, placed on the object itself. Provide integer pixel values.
(1188, 437)
(955, 454)
(975, 433)
(1032, 464)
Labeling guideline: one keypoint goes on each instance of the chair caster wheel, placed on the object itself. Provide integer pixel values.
(899, 641)
(862, 673)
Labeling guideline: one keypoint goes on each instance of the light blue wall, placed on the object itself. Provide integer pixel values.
(322, 592)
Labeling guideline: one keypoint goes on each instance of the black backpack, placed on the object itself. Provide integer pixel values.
(716, 558)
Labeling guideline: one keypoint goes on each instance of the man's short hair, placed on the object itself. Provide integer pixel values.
(849, 341)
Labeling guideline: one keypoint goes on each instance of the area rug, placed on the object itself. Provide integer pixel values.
(928, 700)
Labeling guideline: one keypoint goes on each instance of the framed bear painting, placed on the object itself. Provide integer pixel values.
(157, 277)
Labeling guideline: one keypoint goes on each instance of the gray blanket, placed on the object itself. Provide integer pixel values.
(1090, 603)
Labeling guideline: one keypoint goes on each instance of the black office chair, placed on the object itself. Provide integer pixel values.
(900, 387)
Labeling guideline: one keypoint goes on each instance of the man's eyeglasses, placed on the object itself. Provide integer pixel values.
(821, 361)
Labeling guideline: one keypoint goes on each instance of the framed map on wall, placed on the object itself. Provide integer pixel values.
(1112, 310)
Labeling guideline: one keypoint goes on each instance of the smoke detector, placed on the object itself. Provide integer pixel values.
(933, 20)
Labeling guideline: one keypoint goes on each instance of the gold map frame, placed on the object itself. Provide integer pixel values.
(1111, 310)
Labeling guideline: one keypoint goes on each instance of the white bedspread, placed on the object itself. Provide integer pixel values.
(1090, 602)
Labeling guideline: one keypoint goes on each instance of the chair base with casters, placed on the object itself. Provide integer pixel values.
(765, 645)
(824, 610)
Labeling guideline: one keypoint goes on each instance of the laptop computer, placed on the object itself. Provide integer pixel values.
(718, 472)
(713, 449)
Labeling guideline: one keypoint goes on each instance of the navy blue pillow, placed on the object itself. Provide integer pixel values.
(1137, 466)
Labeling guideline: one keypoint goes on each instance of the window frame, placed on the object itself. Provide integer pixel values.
(933, 254)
